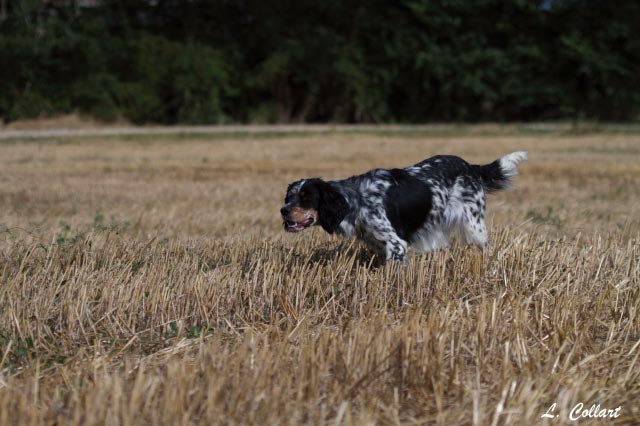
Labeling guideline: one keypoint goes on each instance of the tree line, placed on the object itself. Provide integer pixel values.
(404, 61)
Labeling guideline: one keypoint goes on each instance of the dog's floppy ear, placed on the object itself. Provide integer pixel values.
(332, 207)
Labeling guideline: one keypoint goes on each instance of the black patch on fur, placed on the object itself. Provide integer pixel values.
(407, 203)
(491, 176)
(328, 201)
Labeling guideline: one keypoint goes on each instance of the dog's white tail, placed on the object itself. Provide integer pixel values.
(509, 163)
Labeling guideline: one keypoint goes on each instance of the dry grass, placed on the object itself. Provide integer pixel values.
(149, 282)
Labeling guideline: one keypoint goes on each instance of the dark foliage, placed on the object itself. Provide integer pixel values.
(200, 61)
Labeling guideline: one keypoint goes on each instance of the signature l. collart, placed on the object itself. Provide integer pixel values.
(596, 411)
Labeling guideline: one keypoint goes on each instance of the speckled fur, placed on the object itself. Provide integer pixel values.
(456, 209)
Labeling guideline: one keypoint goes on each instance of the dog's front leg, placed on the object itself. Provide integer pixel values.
(395, 249)
(386, 247)
(380, 236)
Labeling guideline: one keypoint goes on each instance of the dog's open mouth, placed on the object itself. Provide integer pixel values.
(293, 226)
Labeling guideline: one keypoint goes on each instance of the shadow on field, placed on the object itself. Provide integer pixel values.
(324, 255)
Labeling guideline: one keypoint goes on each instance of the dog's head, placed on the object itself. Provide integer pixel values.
(311, 202)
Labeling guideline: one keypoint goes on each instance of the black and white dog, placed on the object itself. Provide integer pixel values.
(420, 206)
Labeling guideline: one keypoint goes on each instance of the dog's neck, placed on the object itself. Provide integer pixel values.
(348, 189)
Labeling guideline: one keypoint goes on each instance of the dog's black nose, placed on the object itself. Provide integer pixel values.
(284, 211)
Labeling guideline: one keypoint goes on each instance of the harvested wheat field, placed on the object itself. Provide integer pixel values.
(147, 280)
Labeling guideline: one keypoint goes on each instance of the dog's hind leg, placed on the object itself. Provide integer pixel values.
(474, 229)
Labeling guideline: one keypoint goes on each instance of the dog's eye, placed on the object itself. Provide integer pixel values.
(303, 195)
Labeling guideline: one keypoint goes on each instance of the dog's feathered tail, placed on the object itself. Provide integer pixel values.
(496, 176)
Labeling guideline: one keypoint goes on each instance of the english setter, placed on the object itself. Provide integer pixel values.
(420, 206)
